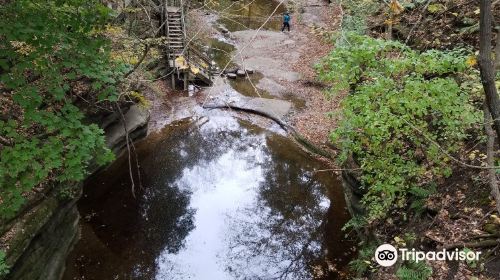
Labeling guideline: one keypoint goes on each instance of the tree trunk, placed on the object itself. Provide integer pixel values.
(486, 64)
(490, 153)
(497, 52)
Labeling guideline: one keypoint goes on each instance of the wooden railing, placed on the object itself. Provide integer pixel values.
(193, 56)
(200, 60)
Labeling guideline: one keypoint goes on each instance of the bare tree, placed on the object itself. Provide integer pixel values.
(486, 64)
(492, 103)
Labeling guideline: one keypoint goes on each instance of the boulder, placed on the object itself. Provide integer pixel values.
(249, 71)
(231, 70)
(136, 120)
(241, 73)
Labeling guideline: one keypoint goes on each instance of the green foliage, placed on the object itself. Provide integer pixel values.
(4, 268)
(356, 223)
(66, 193)
(470, 263)
(420, 196)
(436, 8)
(399, 100)
(363, 263)
(48, 47)
(414, 271)
(355, 14)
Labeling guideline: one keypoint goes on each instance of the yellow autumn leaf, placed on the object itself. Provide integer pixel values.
(472, 156)
(396, 7)
(471, 61)
(180, 62)
(22, 47)
(435, 8)
(134, 60)
(195, 70)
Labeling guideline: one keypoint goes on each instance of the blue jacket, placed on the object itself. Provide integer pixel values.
(286, 18)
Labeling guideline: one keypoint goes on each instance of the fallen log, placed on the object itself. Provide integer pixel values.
(288, 128)
(478, 244)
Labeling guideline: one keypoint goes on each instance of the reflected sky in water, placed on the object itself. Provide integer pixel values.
(221, 199)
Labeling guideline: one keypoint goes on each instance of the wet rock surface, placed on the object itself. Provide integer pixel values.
(47, 241)
(136, 120)
(38, 241)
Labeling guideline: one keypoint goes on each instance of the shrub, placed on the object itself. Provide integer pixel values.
(49, 51)
(401, 104)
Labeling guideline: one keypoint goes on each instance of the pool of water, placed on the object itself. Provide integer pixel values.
(220, 199)
(222, 50)
(249, 14)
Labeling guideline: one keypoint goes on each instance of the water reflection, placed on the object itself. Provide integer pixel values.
(283, 234)
(249, 14)
(221, 200)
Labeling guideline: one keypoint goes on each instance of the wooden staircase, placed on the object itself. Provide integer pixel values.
(187, 63)
(175, 32)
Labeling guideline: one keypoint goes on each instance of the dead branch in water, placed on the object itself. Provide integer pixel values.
(129, 154)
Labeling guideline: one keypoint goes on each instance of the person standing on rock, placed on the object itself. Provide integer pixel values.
(286, 22)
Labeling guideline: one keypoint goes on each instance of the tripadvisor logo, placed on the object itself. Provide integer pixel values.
(387, 255)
